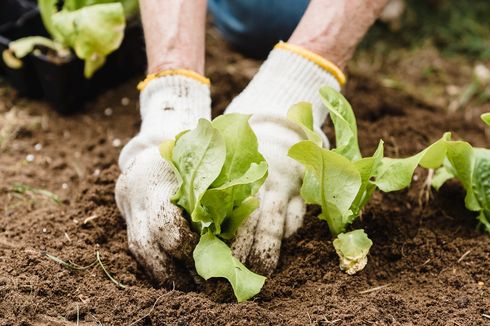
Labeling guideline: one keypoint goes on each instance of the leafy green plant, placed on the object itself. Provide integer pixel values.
(486, 118)
(471, 166)
(219, 170)
(92, 28)
(342, 182)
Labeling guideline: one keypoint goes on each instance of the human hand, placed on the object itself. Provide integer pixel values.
(159, 237)
(289, 75)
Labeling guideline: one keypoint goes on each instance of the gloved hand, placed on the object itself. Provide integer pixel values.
(288, 76)
(158, 234)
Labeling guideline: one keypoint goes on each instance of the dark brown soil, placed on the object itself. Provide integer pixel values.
(430, 263)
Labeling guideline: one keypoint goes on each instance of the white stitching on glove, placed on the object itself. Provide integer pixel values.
(284, 79)
(158, 234)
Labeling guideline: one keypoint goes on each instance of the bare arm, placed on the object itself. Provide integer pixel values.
(174, 34)
(333, 28)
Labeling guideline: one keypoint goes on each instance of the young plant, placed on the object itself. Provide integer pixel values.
(471, 166)
(486, 118)
(92, 28)
(342, 182)
(219, 170)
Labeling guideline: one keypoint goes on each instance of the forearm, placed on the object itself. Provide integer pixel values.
(333, 28)
(174, 34)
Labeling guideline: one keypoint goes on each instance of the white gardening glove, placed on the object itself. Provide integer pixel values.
(288, 76)
(158, 235)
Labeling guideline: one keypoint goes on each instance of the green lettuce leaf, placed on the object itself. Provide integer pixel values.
(198, 156)
(442, 174)
(396, 173)
(471, 166)
(310, 189)
(486, 118)
(241, 146)
(130, 6)
(481, 185)
(93, 28)
(23, 46)
(237, 217)
(47, 8)
(93, 32)
(344, 121)
(213, 258)
(302, 114)
(219, 203)
(461, 156)
(337, 179)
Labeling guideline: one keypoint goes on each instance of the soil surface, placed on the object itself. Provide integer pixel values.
(428, 265)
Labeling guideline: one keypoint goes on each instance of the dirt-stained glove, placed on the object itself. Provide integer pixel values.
(289, 75)
(158, 234)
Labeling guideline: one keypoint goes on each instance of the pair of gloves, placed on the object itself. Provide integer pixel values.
(158, 234)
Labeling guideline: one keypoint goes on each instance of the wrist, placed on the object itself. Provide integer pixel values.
(333, 29)
(335, 55)
(181, 61)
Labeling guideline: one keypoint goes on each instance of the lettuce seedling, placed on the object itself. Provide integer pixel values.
(342, 182)
(92, 28)
(219, 170)
(471, 166)
(486, 118)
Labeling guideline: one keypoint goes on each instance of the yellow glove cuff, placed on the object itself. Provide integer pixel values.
(315, 58)
(183, 72)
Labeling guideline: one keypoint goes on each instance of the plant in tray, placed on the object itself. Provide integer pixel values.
(219, 170)
(92, 28)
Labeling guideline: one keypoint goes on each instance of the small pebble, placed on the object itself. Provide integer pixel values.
(415, 177)
(116, 142)
(64, 186)
(44, 230)
(108, 112)
(75, 221)
(452, 90)
(482, 73)
(96, 172)
(481, 283)
(125, 101)
(38, 147)
(30, 157)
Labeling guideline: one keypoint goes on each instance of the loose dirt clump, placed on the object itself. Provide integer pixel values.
(428, 265)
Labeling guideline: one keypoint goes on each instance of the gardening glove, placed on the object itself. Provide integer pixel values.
(158, 234)
(289, 75)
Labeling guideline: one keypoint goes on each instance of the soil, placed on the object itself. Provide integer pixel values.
(429, 265)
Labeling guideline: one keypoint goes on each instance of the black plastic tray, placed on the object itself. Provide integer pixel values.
(20, 18)
(61, 82)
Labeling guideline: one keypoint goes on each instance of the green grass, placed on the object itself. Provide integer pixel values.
(76, 267)
(26, 190)
(452, 26)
